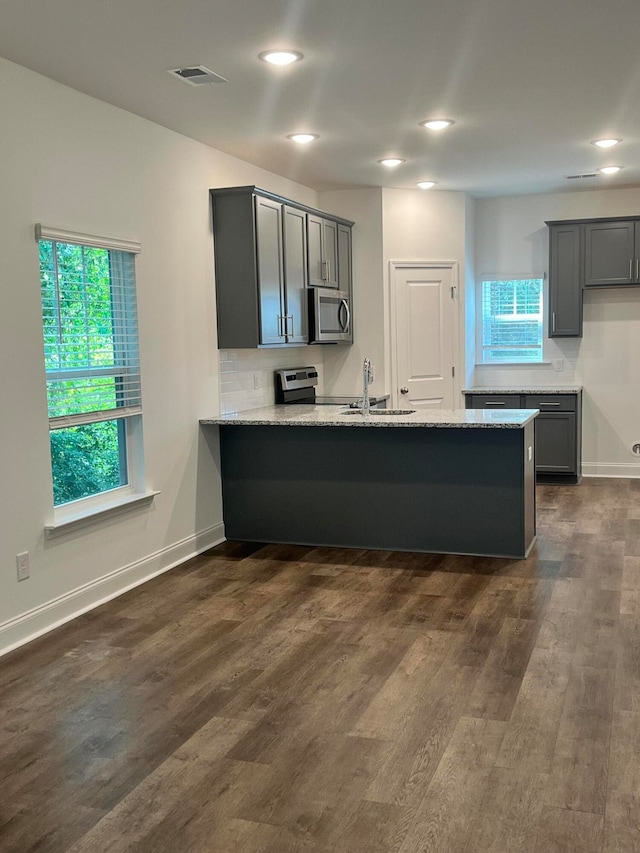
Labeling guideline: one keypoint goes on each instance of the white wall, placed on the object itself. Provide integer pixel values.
(398, 225)
(77, 163)
(511, 238)
(343, 364)
(425, 225)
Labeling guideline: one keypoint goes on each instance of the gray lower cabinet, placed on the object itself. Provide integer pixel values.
(558, 430)
(556, 443)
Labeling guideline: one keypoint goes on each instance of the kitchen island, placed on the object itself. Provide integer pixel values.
(459, 481)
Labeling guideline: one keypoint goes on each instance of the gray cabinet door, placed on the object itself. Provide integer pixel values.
(295, 275)
(344, 258)
(330, 252)
(565, 287)
(314, 244)
(609, 254)
(270, 277)
(556, 443)
(323, 251)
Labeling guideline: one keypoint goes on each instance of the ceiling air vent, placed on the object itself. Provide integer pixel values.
(580, 177)
(198, 75)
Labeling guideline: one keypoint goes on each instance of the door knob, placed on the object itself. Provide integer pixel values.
(404, 390)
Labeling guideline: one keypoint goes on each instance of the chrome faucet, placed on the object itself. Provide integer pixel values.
(367, 377)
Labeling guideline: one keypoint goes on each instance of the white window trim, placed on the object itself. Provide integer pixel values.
(80, 513)
(46, 232)
(84, 511)
(478, 319)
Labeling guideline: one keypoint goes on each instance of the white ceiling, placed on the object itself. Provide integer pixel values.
(528, 84)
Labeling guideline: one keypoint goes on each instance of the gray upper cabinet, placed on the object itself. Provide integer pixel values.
(295, 275)
(611, 254)
(344, 258)
(262, 262)
(270, 283)
(565, 275)
(588, 253)
(323, 251)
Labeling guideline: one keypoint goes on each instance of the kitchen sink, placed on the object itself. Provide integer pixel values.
(377, 412)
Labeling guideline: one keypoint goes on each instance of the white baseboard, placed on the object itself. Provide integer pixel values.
(613, 469)
(26, 627)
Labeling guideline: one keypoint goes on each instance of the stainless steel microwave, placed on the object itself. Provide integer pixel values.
(329, 316)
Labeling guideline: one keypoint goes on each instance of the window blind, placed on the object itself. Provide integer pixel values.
(512, 320)
(90, 328)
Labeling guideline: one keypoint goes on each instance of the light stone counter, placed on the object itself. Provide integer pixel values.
(524, 389)
(332, 416)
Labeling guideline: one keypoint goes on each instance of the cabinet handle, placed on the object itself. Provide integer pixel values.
(324, 275)
(630, 269)
(347, 312)
(637, 269)
(347, 316)
(543, 403)
(281, 332)
(290, 317)
(493, 403)
(553, 322)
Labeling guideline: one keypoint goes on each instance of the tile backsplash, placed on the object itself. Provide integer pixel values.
(246, 375)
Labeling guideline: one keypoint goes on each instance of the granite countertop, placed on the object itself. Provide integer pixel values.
(294, 415)
(524, 389)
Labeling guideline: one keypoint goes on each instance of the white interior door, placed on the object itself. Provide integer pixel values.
(424, 336)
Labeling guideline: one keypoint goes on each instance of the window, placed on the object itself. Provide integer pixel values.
(511, 320)
(91, 363)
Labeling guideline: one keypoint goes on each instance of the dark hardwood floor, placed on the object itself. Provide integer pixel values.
(283, 698)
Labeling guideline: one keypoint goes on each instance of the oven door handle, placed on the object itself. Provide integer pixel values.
(344, 326)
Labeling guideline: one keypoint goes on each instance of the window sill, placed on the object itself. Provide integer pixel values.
(513, 363)
(89, 515)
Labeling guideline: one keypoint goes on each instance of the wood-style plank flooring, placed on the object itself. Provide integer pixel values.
(279, 698)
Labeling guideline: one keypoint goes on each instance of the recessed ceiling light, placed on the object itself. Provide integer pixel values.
(280, 57)
(437, 124)
(302, 138)
(606, 143)
(426, 185)
(390, 162)
(610, 170)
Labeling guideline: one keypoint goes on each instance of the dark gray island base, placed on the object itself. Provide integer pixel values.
(443, 490)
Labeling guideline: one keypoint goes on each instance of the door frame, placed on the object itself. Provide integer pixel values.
(394, 268)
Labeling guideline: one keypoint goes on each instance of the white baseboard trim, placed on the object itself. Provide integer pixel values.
(44, 618)
(613, 469)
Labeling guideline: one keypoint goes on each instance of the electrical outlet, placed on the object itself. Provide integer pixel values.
(558, 364)
(257, 384)
(23, 565)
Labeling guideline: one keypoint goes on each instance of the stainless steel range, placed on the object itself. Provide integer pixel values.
(298, 385)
